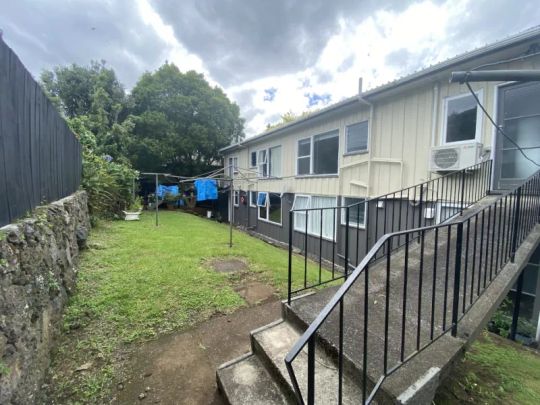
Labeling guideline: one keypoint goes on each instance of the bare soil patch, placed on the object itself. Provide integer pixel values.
(228, 265)
(181, 368)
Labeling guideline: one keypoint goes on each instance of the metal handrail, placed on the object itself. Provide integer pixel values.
(308, 336)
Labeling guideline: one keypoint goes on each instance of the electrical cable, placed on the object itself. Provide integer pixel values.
(497, 126)
(505, 61)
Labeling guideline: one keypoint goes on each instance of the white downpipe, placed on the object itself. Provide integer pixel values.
(434, 117)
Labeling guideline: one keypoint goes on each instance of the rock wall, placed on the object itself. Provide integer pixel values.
(37, 274)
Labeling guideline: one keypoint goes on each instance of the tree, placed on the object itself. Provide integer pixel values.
(181, 122)
(289, 116)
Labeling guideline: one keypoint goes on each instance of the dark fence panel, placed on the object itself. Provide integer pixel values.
(40, 158)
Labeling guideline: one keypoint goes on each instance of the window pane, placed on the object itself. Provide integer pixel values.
(275, 161)
(325, 153)
(522, 101)
(314, 217)
(461, 119)
(253, 159)
(263, 166)
(304, 147)
(261, 200)
(253, 198)
(303, 165)
(357, 137)
(300, 202)
(356, 212)
(275, 208)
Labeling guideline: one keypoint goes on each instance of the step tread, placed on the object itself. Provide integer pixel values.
(247, 381)
(276, 341)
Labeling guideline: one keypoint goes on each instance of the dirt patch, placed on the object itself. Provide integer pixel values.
(255, 292)
(228, 265)
(181, 368)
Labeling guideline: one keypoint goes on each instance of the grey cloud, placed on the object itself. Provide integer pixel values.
(346, 64)
(45, 34)
(244, 40)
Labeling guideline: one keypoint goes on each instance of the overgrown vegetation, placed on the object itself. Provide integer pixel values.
(495, 370)
(502, 320)
(137, 281)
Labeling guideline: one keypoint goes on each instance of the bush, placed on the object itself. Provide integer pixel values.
(109, 184)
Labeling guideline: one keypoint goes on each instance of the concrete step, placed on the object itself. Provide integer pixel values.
(246, 381)
(272, 345)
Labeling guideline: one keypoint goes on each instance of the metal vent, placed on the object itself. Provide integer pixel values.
(445, 158)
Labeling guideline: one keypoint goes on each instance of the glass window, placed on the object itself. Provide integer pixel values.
(263, 165)
(253, 161)
(233, 166)
(301, 202)
(357, 211)
(314, 216)
(304, 156)
(252, 198)
(275, 161)
(236, 197)
(461, 119)
(325, 153)
(274, 210)
(357, 137)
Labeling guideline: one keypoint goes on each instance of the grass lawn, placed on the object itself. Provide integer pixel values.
(137, 281)
(495, 370)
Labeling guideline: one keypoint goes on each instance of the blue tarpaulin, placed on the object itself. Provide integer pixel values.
(162, 190)
(206, 189)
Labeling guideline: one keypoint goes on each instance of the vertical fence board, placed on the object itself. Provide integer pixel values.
(40, 158)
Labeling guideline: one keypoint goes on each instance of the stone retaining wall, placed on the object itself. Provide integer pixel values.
(37, 274)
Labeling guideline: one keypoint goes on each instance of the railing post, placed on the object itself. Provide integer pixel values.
(421, 214)
(346, 242)
(457, 278)
(517, 304)
(289, 286)
(516, 224)
(462, 190)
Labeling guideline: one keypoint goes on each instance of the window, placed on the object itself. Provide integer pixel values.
(462, 119)
(253, 160)
(236, 198)
(232, 166)
(357, 213)
(275, 161)
(252, 198)
(356, 139)
(269, 207)
(302, 202)
(263, 165)
(319, 154)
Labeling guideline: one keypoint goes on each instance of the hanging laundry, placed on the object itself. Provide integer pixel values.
(206, 189)
(162, 190)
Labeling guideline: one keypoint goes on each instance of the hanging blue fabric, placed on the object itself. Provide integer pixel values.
(206, 189)
(261, 200)
(162, 190)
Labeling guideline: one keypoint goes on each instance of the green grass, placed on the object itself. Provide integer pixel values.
(495, 370)
(137, 281)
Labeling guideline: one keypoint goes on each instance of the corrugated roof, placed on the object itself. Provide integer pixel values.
(510, 41)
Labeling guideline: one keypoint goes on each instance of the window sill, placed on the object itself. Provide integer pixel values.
(360, 152)
(317, 176)
(315, 235)
(270, 222)
(269, 178)
(354, 225)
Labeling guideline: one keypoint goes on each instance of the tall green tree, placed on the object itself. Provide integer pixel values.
(181, 122)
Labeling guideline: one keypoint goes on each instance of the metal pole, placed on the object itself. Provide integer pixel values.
(457, 278)
(231, 202)
(496, 75)
(157, 200)
(517, 304)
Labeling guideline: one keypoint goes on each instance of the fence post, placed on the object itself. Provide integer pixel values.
(420, 214)
(462, 190)
(457, 278)
(346, 242)
(289, 286)
(516, 224)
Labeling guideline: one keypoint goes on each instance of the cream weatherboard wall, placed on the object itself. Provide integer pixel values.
(404, 124)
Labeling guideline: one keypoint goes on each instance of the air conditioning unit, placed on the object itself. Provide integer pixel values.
(455, 157)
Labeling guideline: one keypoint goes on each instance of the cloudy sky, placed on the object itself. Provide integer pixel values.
(270, 56)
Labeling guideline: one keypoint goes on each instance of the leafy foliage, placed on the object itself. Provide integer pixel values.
(289, 116)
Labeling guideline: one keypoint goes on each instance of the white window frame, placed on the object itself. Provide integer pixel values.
(267, 209)
(255, 194)
(303, 230)
(236, 198)
(232, 167)
(479, 122)
(312, 157)
(444, 204)
(260, 163)
(353, 224)
(266, 151)
(355, 152)
(269, 160)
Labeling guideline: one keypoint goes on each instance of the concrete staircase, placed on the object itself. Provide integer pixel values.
(260, 377)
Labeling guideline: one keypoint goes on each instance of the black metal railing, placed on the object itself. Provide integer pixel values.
(338, 237)
(415, 295)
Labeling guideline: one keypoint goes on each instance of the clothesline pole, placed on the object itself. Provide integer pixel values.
(157, 200)
(231, 203)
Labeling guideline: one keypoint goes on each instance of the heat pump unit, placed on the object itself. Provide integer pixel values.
(455, 157)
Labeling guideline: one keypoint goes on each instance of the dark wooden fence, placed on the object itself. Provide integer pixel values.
(40, 158)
